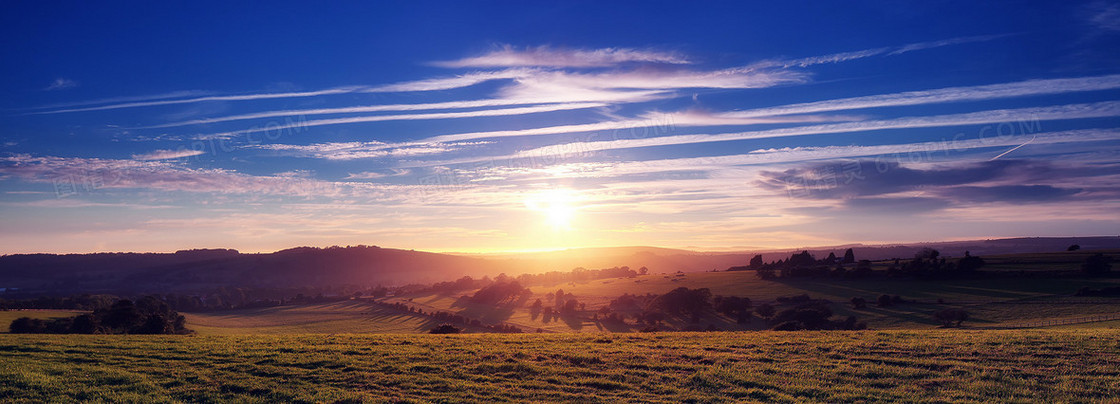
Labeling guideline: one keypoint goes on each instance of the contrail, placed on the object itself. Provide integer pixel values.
(1013, 149)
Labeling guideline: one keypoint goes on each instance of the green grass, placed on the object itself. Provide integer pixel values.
(908, 366)
(323, 318)
(7, 316)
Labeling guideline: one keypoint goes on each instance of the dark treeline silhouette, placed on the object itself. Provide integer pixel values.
(222, 298)
(147, 315)
(927, 263)
(547, 278)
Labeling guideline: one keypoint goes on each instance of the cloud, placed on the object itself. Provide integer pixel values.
(866, 53)
(1023, 116)
(91, 174)
(544, 56)
(946, 42)
(944, 95)
(1005, 181)
(265, 96)
(429, 116)
(1104, 16)
(166, 154)
(61, 84)
(919, 152)
(373, 175)
(366, 150)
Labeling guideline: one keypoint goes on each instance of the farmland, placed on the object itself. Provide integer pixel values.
(1008, 366)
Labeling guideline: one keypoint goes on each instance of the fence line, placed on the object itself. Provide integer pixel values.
(1067, 321)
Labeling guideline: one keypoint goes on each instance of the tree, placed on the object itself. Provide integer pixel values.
(970, 262)
(756, 262)
(859, 302)
(950, 316)
(831, 259)
(927, 253)
(1074, 247)
(643, 271)
(1097, 264)
(766, 274)
(764, 310)
(884, 300)
(849, 257)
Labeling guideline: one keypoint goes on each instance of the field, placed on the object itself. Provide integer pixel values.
(322, 318)
(993, 303)
(936, 365)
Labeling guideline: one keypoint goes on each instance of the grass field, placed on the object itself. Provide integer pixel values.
(323, 318)
(1004, 366)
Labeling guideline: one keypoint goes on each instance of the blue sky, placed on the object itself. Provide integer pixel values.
(509, 126)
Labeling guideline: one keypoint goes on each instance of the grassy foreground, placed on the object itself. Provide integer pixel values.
(939, 365)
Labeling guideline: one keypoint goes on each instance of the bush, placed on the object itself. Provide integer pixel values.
(950, 316)
(884, 300)
(859, 303)
(445, 329)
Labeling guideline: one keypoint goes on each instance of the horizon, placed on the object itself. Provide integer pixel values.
(493, 128)
(484, 254)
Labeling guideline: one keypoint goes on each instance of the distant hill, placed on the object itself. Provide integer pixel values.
(195, 270)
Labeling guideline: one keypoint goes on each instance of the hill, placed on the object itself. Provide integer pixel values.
(192, 271)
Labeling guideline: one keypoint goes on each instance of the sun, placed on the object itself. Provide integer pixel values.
(557, 206)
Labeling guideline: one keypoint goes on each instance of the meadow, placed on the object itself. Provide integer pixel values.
(850, 366)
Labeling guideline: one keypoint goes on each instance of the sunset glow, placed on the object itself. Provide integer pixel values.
(711, 128)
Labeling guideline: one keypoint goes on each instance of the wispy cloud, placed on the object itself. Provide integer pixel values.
(364, 150)
(61, 84)
(246, 97)
(166, 154)
(866, 53)
(438, 115)
(919, 151)
(1073, 111)
(508, 56)
(945, 95)
(946, 42)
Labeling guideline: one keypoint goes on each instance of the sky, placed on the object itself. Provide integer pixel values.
(523, 126)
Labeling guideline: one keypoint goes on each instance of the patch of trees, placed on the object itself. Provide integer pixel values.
(951, 317)
(148, 315)
(888, 300)
(803, 264)
(682, 301)
(813, 316)
(445, 329)
(928, 263)
(735, 307)
(500, 293)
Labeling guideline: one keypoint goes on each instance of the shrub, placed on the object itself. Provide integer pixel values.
(950, 316)
(445, 329)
